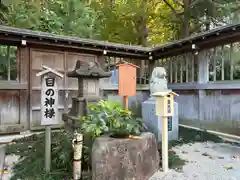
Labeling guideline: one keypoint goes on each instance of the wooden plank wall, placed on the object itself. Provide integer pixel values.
(62, 62)
(14, 96)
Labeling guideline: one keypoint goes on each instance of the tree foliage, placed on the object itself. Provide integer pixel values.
(201, 15)
(143, 22)
(55, 16)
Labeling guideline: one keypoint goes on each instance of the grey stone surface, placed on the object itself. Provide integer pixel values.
(10, 160)
(205, 161)
(125, 159)
(153, 122)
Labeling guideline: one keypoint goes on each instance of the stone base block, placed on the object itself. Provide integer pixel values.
(125, 159)
(153, 122)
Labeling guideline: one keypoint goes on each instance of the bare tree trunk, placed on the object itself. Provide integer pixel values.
(184, 16)
(143, 42)
(141, 26)
(207, 23)
(185, 23)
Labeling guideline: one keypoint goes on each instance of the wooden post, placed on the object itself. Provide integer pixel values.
(47, 149)
(125, 102)
(77, 144)
(49, 108)
(165, 144)
(165, 109)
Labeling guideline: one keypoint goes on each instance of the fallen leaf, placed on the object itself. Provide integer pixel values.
(205, 154)
(228, 167)
(233, 157)
(4, 172)
(210, 157)
(134, 137)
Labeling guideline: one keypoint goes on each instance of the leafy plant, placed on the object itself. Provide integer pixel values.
(109, 118)
(31, 152)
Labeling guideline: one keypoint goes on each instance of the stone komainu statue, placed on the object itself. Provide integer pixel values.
(158, 80)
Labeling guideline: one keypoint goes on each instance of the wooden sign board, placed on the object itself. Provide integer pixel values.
(127, 79)
(165, 108)
(165, 103)
(49, 96)
(49, 101)
(49, 107)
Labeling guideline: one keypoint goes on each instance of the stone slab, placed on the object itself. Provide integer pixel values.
(120, 159)
(153, 122)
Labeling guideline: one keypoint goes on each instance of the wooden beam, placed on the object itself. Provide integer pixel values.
(211, 85)
(193, 68)
(222, 62)
(8, 63)
(181, 69)
(214, 64)
(136, 54)
(171, 70)
(205, 44)
(231, 61)
(186, 65)
(65, 82)
(176, 69)
(13, 85)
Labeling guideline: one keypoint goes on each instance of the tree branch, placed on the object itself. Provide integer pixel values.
(177, 2)
(194, 3)
(177, 14)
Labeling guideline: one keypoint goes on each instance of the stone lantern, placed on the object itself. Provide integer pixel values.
(84, 72)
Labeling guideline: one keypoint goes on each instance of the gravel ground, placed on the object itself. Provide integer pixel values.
(9, 162)
(205, 161)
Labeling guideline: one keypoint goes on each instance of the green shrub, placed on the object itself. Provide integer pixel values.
(109, 118)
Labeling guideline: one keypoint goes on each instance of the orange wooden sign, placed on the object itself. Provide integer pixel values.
(127, 79)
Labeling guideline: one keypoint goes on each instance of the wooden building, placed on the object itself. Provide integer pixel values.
(204, 77)
(20, 93)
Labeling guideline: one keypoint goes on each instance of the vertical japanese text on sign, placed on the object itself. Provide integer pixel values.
(49, 95)
(49, 99)
(169, 106)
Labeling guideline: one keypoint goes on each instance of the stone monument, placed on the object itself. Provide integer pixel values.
(125, 158)
(158, 83)
(85, 72)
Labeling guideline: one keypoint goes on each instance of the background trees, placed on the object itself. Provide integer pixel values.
(142, 22)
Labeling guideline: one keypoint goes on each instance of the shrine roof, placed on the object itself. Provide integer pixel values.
(216, 37)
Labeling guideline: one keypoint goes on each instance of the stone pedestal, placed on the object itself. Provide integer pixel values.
(119, 159)
(153, 122)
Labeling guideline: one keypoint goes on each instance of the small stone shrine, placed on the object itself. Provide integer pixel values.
(84, 72)
(158, 83)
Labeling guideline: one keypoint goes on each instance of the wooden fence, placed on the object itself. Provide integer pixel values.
(208, 84)
(207, 80)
